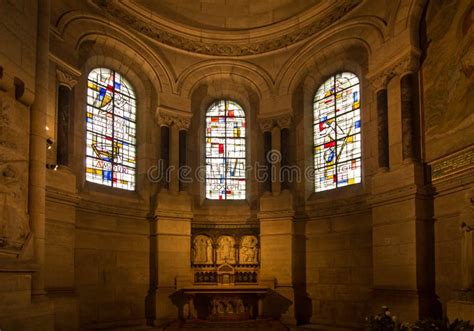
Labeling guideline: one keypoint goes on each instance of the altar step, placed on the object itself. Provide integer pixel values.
(260, 325)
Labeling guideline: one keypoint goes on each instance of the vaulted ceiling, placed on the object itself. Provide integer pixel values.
(226, 14)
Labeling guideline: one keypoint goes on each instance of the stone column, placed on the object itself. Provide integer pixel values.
(408, 89)
(275, 160)
(183, 141)
(37, 175)
(284, 123)
(165, 154)
(274, 156)
(174, 158)
(66, 83)
(176, 121)
(379, 84)
(266, 126)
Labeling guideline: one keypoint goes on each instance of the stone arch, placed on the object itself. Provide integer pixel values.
(202, 94)
(345, 55)
(364, 34)
(228, 70)
(120, 41)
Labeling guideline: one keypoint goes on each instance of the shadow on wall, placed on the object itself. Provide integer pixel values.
(275, 305)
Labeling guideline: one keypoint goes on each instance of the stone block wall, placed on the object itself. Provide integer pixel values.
(339, 267)
(111, 267)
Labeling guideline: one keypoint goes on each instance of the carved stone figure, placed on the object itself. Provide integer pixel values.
(248, 250)
(201, 253)
(225, 250)
(209, 251)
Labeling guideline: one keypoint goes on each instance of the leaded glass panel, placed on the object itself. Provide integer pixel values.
(337, 132)
(225, 151)
(110, 130)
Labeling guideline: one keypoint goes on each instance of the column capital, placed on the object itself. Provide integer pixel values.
(165, 116)
(282, 121)
(266, 124)
(65, 78)
(379, 81)
(66, 74)
(406, 63)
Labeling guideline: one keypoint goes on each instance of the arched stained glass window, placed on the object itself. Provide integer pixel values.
(110, 130)
(337, 138)
(225, 151)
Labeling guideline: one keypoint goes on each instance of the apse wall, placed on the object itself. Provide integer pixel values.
(402, 237)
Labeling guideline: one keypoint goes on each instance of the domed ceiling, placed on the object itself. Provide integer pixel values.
(228, 27)
(226, 14)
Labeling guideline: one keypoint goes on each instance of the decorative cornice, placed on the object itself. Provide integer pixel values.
(241, 47)
(64, 66)
(167, 117)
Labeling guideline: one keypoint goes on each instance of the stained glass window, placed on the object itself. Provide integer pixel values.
(337, 137)
(110, 130)
(225, 151)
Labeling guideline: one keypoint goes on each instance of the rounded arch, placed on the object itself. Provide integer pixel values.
(238, 71)
(359, 36)
(81, 29)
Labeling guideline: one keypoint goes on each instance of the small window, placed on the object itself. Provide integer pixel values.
(110, 130)
(337, 132)
(225, 151)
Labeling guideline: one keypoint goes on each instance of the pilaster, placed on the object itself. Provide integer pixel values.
(277, 240)
(170, 227)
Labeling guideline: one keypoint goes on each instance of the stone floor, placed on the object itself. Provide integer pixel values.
(261, 325)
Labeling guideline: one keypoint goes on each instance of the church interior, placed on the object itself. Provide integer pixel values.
(235, 164)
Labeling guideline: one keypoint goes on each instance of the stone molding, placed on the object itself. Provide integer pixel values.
(165, 116)
(401, 194)
(282, 121)
(453, 164)
(225, 46)
(276, 214)
(408, 62)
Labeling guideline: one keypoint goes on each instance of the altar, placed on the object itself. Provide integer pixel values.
(223, 303)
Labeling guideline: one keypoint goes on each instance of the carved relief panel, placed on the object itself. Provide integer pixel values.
(248, 250)
(226, 250)
(202, 250)
(14, 136)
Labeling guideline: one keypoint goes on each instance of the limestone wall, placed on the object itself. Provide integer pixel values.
(111, 264)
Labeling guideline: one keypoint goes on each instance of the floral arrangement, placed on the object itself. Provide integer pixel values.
(384, 321)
